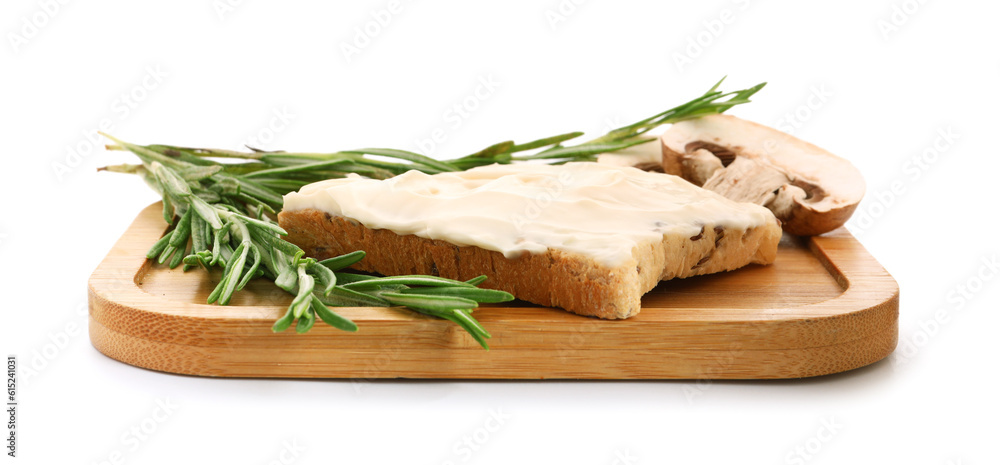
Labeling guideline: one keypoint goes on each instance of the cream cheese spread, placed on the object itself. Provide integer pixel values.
(597, 210)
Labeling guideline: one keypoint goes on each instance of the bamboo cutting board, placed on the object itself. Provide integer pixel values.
(824, 306)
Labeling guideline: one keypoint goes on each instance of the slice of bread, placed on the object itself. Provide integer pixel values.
(558, 276)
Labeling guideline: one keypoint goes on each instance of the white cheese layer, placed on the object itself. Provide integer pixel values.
(596, 210)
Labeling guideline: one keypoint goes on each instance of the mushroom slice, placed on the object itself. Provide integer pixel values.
(810, 190)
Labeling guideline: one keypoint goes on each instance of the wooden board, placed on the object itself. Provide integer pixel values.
(825, 306)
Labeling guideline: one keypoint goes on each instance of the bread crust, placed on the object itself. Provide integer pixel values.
(553, 279)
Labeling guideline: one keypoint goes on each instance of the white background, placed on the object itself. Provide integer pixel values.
(889, 78)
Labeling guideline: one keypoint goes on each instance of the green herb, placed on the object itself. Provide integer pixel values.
(285, 171)
(221, 215)
(222, 219)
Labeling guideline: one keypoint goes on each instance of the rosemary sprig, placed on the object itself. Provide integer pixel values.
(221, 219)
(284, 171)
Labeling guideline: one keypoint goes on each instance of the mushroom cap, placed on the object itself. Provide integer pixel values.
(810, 189)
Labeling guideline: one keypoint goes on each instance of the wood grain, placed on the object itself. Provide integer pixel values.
(825, 306)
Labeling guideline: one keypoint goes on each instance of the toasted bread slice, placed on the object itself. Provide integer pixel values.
(722, 235)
